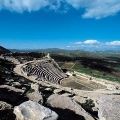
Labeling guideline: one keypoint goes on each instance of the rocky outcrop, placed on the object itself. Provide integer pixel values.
(68, 103)
(109, 107)
(4, 106)
(63, 102)
(33, 111)
(6, 112)
(34, 95)
(10, 88)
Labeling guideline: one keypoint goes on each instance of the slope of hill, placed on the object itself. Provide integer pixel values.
(3, 50)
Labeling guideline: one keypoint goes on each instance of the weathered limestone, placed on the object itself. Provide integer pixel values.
(6, 112)
(63, 102)
(35, 87)
(35, 96)
(33, 111)
(109, 107)
(11, 88)
(4, 106)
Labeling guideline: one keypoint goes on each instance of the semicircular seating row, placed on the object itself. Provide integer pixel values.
(45, 71)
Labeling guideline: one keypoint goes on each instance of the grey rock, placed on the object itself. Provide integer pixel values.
(35, 87)
(16, 84)
(63, 102)
(35, 96)
(33, 111)
(11, 88)
(6, 112)
(4, 106)
(109, 107)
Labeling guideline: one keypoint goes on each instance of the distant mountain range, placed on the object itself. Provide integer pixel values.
(60, 51)
(57, 50)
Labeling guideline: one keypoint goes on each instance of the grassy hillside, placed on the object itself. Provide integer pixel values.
(96, 65)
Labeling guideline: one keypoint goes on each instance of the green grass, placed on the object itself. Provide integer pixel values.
(95, 73)
(99, 65)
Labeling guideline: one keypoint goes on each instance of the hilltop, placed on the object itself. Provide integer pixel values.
(4, 50)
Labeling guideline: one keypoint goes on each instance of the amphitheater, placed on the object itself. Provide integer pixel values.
(45, 70)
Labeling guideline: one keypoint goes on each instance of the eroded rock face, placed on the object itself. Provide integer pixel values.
(109, 107)
(6, 112)
(35, 96)
(66, 103)
(33, 111)
(4, 106)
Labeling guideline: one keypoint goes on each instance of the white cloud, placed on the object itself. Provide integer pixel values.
(29, 5)
(87, 42)
(91, 42)
(22, 5)
(92, 8)
(78, 43)
(68, 46)
(97, 8)
(113, 43)
(96, 43)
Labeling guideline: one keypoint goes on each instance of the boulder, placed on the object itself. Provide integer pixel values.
(6, 112)
(35, 96)
(109, 107)
(63, 102)
(35, 87)
(4, 106)
(33, 111)
(16, 84)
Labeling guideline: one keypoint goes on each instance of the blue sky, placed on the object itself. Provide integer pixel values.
(70, 24)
